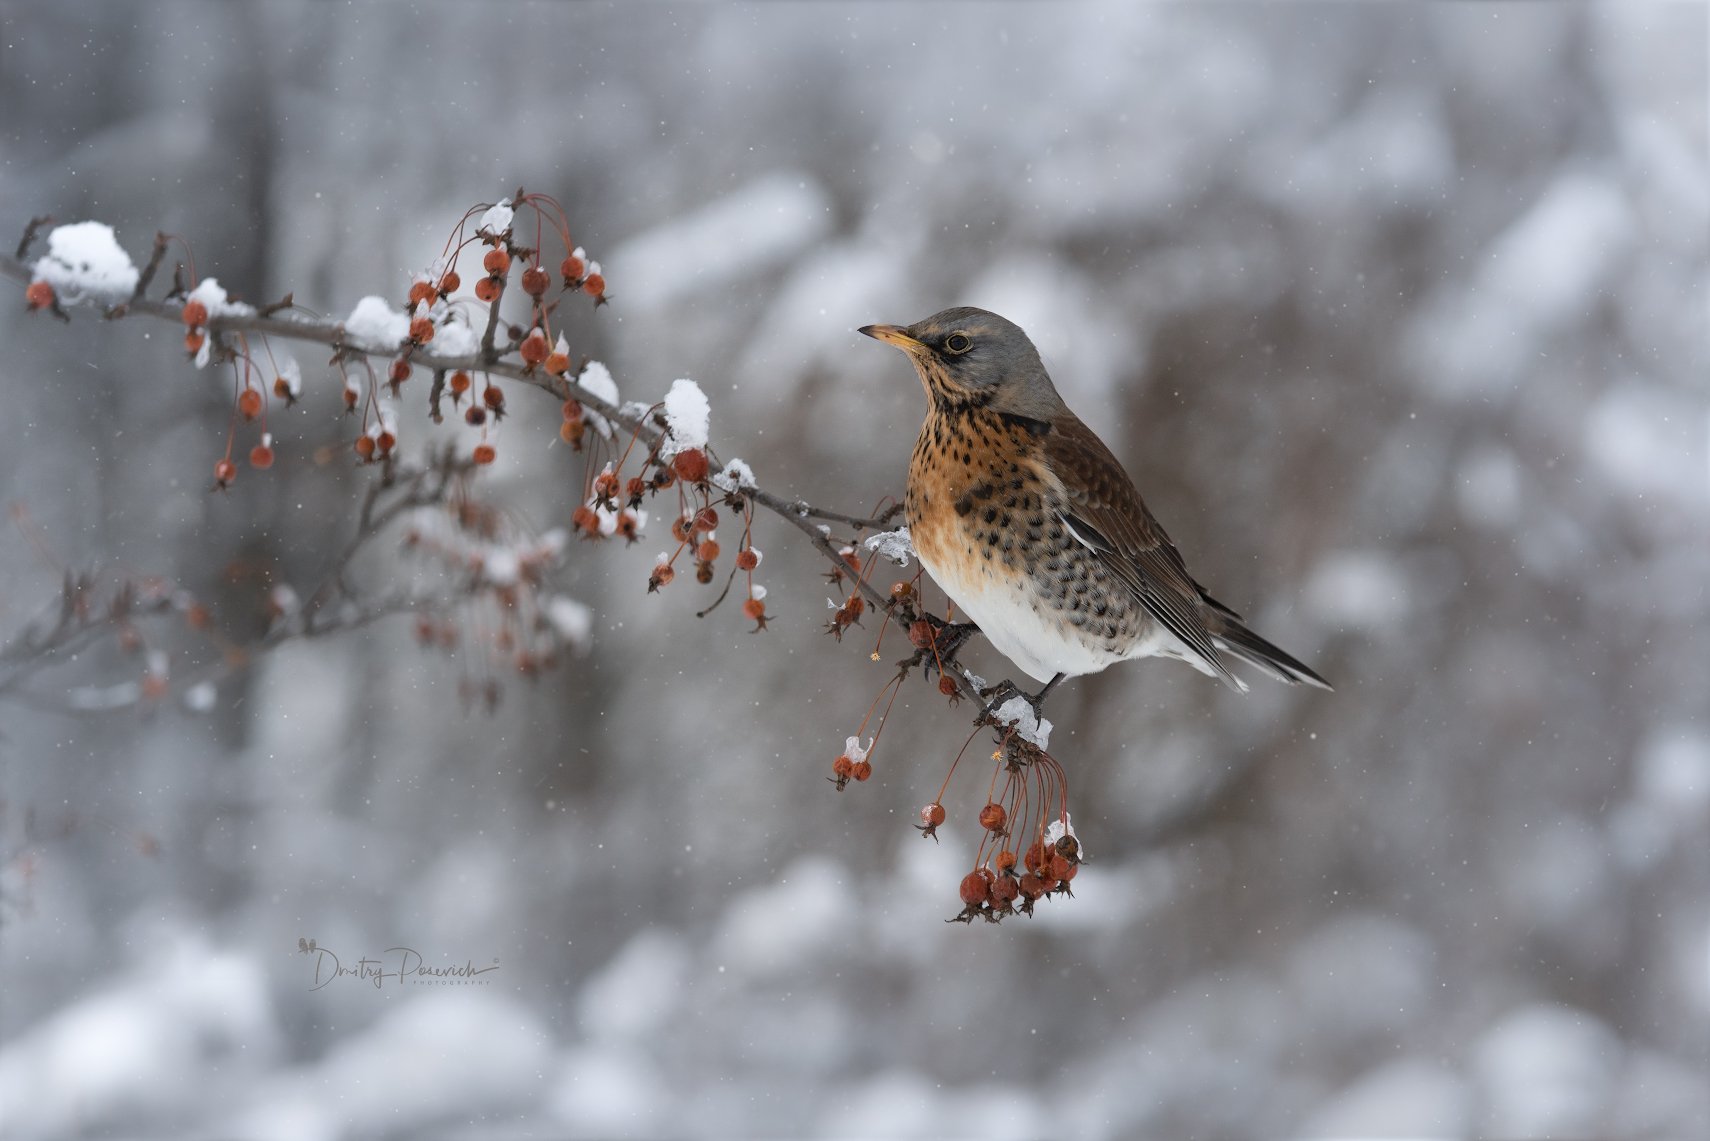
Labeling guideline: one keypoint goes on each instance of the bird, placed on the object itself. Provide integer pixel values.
(1027, 521)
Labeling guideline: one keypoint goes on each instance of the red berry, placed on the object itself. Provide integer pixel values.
(459, 383)
(1005, 860)
(421, 292)
(586, 521)
(932, 815)
(680, 528)
(450, 282)
(365, 447)
(399, 372)
(746, 559)
(976, 889)
(421, 330)
(706, 519)
(385, 441)
(487, 289)
(920, 633)
(475, 416)
(571, 432)
(992, 817)
(572, 412)
(663, 574)
(533, 349)
(484, 454)
(1004, 891)
(1035, 859)
(754, 609)
(843, 767)
(493, 397)
(195, 313)
(261, 457)
(947, 686)
(1032, 886)
(690, 464)
(281, 388)
(556, 363)
(497, 262)
(571, 267)
(39, 295)
(594, 285)
(707, 552)
(902, 591)
(863, 769)
(249, 403)
(193, 342)
(535, 281)
(225, 471)
(605, 485)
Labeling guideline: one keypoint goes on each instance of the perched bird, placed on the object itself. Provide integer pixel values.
(1024, 518)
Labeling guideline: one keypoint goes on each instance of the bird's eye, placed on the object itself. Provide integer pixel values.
(957, 343)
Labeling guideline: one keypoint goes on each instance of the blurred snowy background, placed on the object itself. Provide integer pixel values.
(1398, 316)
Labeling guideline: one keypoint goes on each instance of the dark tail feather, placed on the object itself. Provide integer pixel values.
(1230, 636)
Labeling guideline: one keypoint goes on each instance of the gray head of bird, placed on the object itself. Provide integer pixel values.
(969, 357)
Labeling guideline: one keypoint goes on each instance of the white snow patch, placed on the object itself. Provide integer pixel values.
(213, 297)
(497, 220)
(1359, 588)
(573, 621)
(455, 338)
(636, 994)
(376, 322)
(734, 476)
(1060, 827)
(596, 380)
(199, 698)
(1028, 726)
(687, 416)
(757, 592)
(854, 750)
(85, 262)
(893, 545)
(292, 374)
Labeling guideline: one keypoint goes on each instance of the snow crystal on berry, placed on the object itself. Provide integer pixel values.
(84, 260)
(497, 220)
(687, 416)
(892, 545)
(376, 322)
(1059, 828)
(853, 749)
(1028, 726)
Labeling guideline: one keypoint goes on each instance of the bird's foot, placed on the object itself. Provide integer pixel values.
(1003, 691)
(948, 638)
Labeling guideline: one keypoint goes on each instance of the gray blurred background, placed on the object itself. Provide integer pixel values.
(1397, 314)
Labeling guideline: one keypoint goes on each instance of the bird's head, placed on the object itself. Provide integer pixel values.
(968, 357)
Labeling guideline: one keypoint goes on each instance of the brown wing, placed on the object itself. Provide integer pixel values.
(1107, 514)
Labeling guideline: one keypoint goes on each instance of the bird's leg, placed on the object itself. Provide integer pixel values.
(950, 637)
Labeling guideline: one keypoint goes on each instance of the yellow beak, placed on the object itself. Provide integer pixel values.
(893, 335)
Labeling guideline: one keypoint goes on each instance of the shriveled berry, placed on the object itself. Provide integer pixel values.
(690, 464)
(493, 397)
(628, 525)
(976, 889)
(635, 488)
(1035, 858)
(680, 528)
(605, 485)
(484, 454)
(282, 388)
(1004, 891)
(399, 372)
(1060, 868)
(947, 686)
(535, 281)
(571, 268)
(855, 607)
(662, 576)
(475, 416)
(920, 633)
(747, 559)
(586, 521)
(1005, 860)
(459, 383)
(993, 817)
(704, 575)
(863, 769)
(902, 591)
(1032, 886)
(706, 519)
(843, 767)
(224, 471)
(932, 815)
(421, 330)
